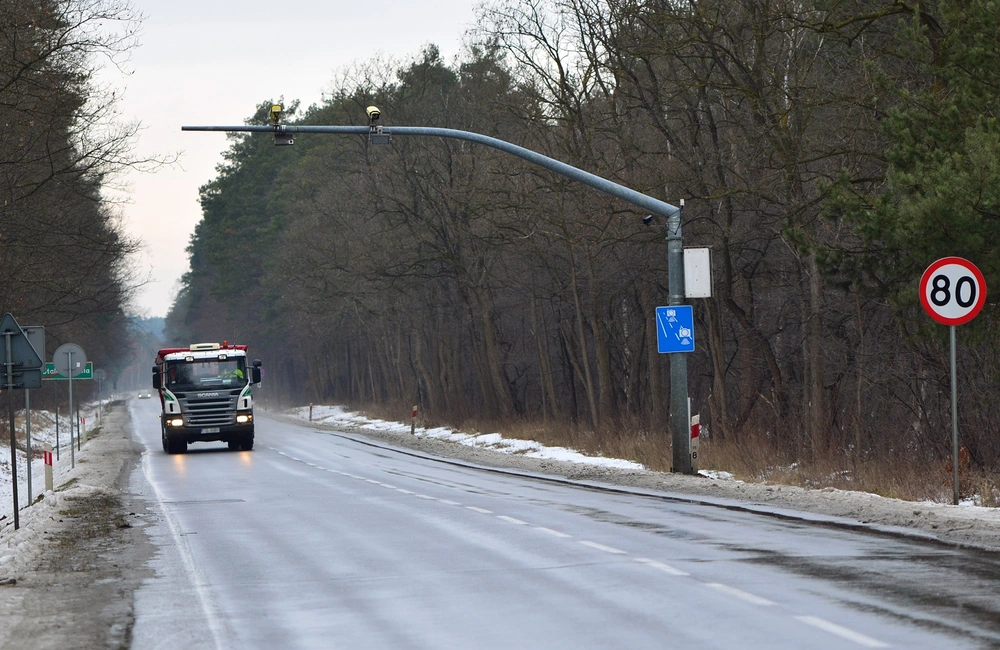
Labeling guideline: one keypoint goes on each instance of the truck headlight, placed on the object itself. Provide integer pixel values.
(243, 418)
(175, 422)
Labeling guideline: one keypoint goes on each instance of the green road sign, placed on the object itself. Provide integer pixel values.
(50, 372)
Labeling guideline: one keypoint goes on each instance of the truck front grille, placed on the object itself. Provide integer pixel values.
(210, 411)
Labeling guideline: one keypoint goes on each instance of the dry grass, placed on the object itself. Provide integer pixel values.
(986, 488)
(894, 476)
(752, 457)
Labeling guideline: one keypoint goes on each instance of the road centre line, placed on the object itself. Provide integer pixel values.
(480, 510)
(512, 520)
(449, 503)
(739, 593)
(666, 568)
(602, 547)
(842, 632)
(404, 491)
(554, 533)
(425, 496)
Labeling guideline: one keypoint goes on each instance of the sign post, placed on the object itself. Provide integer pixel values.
(675, 335)
(953, 292)
(70, 361)
(36, 336)
(22, 369)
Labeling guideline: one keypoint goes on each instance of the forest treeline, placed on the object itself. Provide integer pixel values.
(64, 257)
(827, 152)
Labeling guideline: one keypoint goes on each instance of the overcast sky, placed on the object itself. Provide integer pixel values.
(212, 62)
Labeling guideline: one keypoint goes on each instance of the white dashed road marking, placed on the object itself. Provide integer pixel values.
(826, 626)
(842, 632)
(666, 568)
(739, 593)
(602, 547)
(512, 520)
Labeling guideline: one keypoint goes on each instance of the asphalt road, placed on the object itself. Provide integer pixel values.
(318, 540)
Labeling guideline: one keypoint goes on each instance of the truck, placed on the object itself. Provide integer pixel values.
(206, 394)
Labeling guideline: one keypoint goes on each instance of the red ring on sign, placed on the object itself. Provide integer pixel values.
(980, 297)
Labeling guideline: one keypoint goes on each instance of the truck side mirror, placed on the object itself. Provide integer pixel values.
(156, 377)
(255, 375)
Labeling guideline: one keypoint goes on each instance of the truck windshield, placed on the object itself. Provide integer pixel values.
(205, 373)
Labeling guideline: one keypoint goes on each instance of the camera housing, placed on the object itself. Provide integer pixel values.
(648, 219)
(373, 114)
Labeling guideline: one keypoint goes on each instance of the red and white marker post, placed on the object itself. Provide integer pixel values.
(695, 437)
(47, 458)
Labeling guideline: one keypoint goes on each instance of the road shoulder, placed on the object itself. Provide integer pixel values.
(69, 573)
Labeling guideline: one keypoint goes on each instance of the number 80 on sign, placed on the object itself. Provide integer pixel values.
(952, 290)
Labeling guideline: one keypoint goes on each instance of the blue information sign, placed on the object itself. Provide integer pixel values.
(675, 329)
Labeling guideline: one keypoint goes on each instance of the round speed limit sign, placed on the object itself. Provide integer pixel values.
(952, 290)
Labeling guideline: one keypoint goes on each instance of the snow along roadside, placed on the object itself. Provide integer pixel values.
(67, 576)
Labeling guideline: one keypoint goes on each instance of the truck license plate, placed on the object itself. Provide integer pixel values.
(210, 430)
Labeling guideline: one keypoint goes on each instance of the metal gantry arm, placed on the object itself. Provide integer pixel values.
(679, 426)
(636, 198)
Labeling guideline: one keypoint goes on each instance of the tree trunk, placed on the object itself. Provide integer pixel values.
(588, 380)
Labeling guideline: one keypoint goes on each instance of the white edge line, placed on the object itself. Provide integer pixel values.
(198, 581)
(842, 632)
(602, 547)
(739, 593)
(666, 568)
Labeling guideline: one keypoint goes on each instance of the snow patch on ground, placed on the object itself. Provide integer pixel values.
(43, 430)
(20, 548)
(337, 415)
(716, 474)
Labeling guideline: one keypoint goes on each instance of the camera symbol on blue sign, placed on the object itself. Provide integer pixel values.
(675, 329)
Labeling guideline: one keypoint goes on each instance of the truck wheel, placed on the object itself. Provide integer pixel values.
(163, 441)
(247, 442)
(234, 445)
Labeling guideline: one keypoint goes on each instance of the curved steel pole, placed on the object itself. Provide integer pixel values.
(680, 432)
(614, 189)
